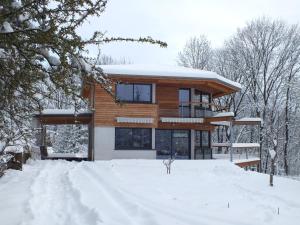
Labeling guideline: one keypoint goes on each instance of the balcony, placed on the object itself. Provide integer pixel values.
(191, 110)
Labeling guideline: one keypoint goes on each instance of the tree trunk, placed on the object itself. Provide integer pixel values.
(272, 171)
(286, 142)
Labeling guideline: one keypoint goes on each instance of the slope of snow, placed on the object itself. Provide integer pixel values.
(140, 192)
(165, 71)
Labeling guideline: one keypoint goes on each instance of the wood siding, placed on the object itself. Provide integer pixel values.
(167, 100)
(106, 111)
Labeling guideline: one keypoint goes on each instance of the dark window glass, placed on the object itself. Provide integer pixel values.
(184, 97)
(163, 143)
(123, 138)
(202, 145)
(180, 144)
(172, 143)
(184, 103)
(205, 139)
(133, 138)
(134, 92)
(125, 92)
(142, 93)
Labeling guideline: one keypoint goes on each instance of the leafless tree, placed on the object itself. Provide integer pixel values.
(196, 54)
(264, 57)
(168, 164)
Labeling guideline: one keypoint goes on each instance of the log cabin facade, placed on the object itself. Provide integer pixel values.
(156, 112)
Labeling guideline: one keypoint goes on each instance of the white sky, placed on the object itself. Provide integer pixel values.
(175, 21)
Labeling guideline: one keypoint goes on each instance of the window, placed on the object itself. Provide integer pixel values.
(184, 103)
(133, 138)
(202, 109)
(202, 145)
(172, 143)
(134, 93)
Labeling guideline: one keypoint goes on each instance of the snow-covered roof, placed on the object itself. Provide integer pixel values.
(62, 111)
(166, 71)
(250, 119)
(224, 114)
(245, 145)
(221, 123)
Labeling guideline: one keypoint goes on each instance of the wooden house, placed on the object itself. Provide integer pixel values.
(156, 112)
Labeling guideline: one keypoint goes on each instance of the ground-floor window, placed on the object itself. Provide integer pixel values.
(133, 138)
(172, 143)
(202, 145)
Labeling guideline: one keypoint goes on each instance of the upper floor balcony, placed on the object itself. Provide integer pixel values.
(192, 110)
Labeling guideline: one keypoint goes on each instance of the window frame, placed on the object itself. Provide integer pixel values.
(133, 100)
(201, 147)
(132, 139)
(185, 106)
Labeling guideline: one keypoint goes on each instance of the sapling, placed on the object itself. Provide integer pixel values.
(168, 164)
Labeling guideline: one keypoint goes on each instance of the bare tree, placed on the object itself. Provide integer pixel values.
(262, 54)
(196, 54)
(168, 164)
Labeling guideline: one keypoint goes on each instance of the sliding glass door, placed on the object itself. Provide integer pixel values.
(202, 145)
(172, 143)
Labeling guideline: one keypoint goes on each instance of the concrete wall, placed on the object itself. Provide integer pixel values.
(192, 144)
(104, 146)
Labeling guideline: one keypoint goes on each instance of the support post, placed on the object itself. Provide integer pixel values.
(231, 141)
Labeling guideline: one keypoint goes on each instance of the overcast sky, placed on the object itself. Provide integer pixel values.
(175, 21)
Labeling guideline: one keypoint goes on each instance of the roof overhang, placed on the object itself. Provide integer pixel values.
(63, 117)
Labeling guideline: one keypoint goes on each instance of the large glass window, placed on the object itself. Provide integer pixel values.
(202, 145)
(172, 143)
(134, 93)
(203, 108)
(184, 103)
(133, 138)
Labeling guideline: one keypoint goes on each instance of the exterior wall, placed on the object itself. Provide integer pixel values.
(106, 110)
(165, 101)
(104, 143)
(192, 144)
(104, 146)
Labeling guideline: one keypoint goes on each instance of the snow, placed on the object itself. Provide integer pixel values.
(245, 145)
(7, 28)
(66, 155)
(51, 58)
(224, 114)
(245, 160)
(63, 111)
(140, 192)
(14, 149)
(166, 71)
(5, 158)
(250, 119)
(16, 4)
(272, 153)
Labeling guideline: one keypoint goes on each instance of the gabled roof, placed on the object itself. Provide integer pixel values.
(164, 71)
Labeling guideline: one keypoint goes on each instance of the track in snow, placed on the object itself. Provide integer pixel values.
(54, 199)
(138, 192)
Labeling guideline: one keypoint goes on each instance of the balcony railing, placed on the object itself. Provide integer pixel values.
(191, 110)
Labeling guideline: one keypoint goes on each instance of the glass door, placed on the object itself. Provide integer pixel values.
(181, 144)
(172, 143)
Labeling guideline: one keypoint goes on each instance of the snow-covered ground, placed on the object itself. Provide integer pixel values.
(140, 192)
